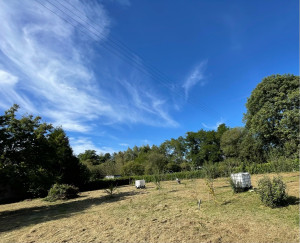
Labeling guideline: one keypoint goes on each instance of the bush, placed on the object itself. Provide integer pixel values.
(62, 192)
(272, 193)
(157, 180)
(111, 190)
(235, 187)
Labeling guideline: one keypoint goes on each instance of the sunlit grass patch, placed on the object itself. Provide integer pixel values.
(170, 214)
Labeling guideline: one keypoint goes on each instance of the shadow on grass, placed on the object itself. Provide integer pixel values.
(16, 219)
(226, 202)
(292, 200)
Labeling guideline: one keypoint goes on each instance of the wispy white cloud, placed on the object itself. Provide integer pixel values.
(7, 79)
(8, 93)
(43, 49)
(213, 127)
(148, 107)
(124, 144)
(195, 77)
(50, 60)
(81, 144)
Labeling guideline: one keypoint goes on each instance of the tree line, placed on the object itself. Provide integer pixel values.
(35, 155)
(271, 131)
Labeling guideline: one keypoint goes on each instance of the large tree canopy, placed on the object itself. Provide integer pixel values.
(33, 156)
(273, 111)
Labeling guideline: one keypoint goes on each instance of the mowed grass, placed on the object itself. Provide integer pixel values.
(149, 215)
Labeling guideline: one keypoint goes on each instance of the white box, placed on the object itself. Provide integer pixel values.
(140, 183)
(243, 179)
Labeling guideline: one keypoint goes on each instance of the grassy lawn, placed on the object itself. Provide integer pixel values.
(149, 215)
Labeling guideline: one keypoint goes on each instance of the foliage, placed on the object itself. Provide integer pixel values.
(272, 193)
(111, 190)
(185, 166)
(105, 183)
(157, 181)
(110, 167)
(172, 167)
(133, 168)
(90, 156)
(67, 167)
(62, 192)
(219, 169)
(95, 171)
(210, 175)
(251, 149)
(22, 152)
(204, 145)
(34, 156)
(273, 111)
(237, 187)
(172, 176)
(234, 186)
(175, 150)
(156, 163)
(230, 142)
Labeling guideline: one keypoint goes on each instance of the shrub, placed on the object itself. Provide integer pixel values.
(272, 193)
(236, 187)
(157, 180)
(111, 190)
(62, 192)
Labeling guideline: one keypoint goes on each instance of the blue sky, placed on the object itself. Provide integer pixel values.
(119, 73)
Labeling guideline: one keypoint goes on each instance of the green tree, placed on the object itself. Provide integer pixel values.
(175, 149)
(23, 154)
(230, 142)
(251, 149)
(65, 166)
(173, 167)
(156, 163)
(34, 155)
(133, 168)
(89, 157)
(203, 146)
(273, 112)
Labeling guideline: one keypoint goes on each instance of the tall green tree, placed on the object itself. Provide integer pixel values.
(273, 112)
(251, 149)
(175, 150)
(33, 156)
(133, 168)
(66, 165)
(230, 142)
(204, 146)
(89, 157)
(23, 154)
(155, 163)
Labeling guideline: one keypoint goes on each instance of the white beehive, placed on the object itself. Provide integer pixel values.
(140, 183)
(242, 179)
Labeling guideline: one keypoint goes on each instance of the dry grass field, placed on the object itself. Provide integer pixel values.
(149, 215)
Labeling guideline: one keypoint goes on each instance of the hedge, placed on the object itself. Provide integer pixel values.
(221, 170)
